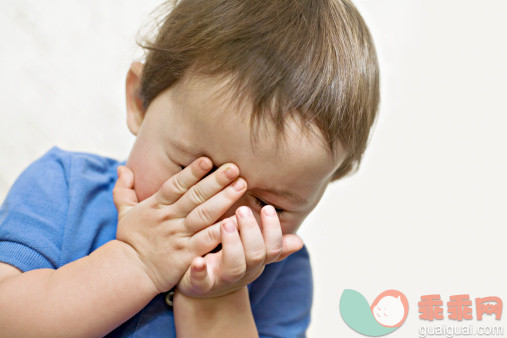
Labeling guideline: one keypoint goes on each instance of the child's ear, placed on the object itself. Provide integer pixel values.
(135, 111)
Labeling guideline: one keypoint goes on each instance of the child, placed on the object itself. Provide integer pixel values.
(279, 97)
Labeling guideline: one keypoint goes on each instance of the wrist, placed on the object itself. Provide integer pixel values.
(232, 299)
(229, 315)
(133, 259)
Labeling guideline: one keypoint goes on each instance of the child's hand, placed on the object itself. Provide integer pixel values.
(242, 258)
(166, 231)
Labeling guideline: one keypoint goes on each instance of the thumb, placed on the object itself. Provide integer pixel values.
(124, 196)
(291, 244)
(200, 278)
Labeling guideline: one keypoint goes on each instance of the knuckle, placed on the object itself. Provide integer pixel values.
(273, 252)
(171, 232)
(178, 245)
(258, 273)
(204, 214)
(197, 195)
(177, 186)
(235, 274)
(116, 190)
(166, 214)
(256, 257)
(213, 237)
(199, 287)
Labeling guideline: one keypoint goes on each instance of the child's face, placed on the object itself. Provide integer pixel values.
(185, 115)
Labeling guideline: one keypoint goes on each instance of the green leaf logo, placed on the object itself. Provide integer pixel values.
(387, 312)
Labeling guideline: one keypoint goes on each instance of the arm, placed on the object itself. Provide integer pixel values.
(225, 316)
(223, 277)
(95, 294)
(88, 297)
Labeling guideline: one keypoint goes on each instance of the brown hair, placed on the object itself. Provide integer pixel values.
(313, 60)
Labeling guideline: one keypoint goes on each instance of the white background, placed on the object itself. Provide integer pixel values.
(425, 214)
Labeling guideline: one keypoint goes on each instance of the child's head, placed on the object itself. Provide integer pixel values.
(286, 89)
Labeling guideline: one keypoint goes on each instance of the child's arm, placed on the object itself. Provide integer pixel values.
(281, 309)
(156, 241)
(246, 250)
(213, 300)
(225, 316)
(88, 297)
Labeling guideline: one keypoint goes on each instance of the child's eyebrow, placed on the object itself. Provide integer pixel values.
(188, 149)
(194, 151)
(295, 198)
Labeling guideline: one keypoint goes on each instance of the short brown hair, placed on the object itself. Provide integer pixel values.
(313, 60)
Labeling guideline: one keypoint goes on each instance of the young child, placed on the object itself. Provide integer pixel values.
(243, 112)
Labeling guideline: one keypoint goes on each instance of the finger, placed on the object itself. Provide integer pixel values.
(233, 264)
(207, 188)
(206, 240)
(200, 277)
(124, 196)
(251, 237)
(178, 184)
(211, 210)
(272, 233)
(291, 244)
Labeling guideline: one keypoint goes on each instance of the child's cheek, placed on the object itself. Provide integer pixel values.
(290, 225)
(148, 180)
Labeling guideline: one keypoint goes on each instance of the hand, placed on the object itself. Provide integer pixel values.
(169, 229)
(243, 256)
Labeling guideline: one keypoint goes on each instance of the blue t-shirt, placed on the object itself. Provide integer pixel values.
(61, 209)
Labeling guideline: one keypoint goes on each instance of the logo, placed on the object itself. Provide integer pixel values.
(386, 314)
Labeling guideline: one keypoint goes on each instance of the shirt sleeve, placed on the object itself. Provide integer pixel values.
(284, 310)
(33, 214)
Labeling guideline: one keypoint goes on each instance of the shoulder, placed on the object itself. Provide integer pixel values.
(80, 162)
(57, 169)
(44, 177)
(77, 169)
(59, 161)
(40, 215)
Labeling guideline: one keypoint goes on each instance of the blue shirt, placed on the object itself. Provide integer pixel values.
(61, 209)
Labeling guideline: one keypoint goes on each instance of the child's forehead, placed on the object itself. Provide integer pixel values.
(293, 156)
(212, 100)
(205, 125)
(206, 92)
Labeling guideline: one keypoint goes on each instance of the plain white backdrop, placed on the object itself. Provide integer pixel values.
(425, 214)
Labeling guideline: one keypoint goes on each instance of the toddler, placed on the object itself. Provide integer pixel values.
(243, 113)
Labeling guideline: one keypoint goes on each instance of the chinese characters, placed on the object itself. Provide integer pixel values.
(459, 307)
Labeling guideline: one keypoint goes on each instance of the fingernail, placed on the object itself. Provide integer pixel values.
(269, 210)
(239, 184)
(244, 211)
(229, 227)
(205, 164)
(230, 173)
